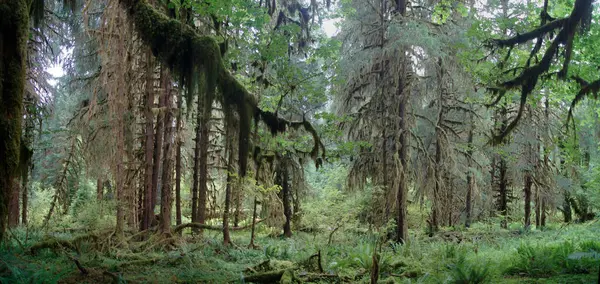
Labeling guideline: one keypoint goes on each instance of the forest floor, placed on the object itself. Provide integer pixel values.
(480, 254)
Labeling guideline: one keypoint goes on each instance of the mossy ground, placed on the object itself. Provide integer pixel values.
(497, 254)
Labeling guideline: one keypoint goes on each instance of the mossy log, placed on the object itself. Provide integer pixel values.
(190, 55)
(56, 244)
(178, 228)
(266, 277)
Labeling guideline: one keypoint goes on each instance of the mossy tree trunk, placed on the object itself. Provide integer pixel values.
(147, 210)
(402, 94)
(158, 143)
(470, 180)
(14, 32)
(178, 144)
(283, 181)
(166, 193)
(229, 184)
(204, 144)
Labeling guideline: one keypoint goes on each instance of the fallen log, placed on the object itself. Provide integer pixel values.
(54, 243)
(265, 277)
(178, 228)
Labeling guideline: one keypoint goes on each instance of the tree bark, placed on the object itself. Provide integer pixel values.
(254, 213)
(99, 189)
(147, 208)
(166, 193)
(195, 175)
(401, 221)
(285, 196)
(13, 207)
(178, 163)
(158, 143)
(203, 161)
(470, 181)
(14, 33)
(527, 190)
(230, 161)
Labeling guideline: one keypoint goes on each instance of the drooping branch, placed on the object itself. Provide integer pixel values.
(189, 54)
(586, 89)
(536, 33)
(529, 77)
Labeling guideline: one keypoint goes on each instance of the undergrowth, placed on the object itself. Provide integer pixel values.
(477, 255)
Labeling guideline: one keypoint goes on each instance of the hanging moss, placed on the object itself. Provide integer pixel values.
(191, 56)
(14, 31)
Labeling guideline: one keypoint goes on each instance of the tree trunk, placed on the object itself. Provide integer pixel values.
(99, 189)
(254, 213)
(203, 162)
(285, 196)
(527, 190)
(14, 33)
(238, 207)
(228, 185)
(537, 207)
(503, 178)
(195, 175)
(178, 163)
(158, 143)
(166, 193)
(13, 207)
(503, 194)
(470, 181)
(567, 213)
(402, 96)
(147, 208)
(401, 221)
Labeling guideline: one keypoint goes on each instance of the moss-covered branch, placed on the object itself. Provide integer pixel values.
(191, 55)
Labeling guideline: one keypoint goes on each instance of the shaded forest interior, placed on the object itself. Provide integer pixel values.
(292, 141)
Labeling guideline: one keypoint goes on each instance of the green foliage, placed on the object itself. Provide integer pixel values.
(542, 260)
(464, 272)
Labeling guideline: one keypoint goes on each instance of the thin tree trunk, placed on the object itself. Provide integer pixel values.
(230, 161)
(238, 208)
(402, 96)
(158, 143)
(254, 213)
(469, 175)
(166, 193)
(178, 164)
(99, 189)
(203, 161)
(195, 175)
(527, 190)
(285, 196)
(401, 220)
(14, 33)
(147, 208)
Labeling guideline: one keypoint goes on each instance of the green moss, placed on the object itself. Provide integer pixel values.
(14, 31)
(192, 56)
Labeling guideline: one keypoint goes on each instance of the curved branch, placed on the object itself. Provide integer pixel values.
(523, 38)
